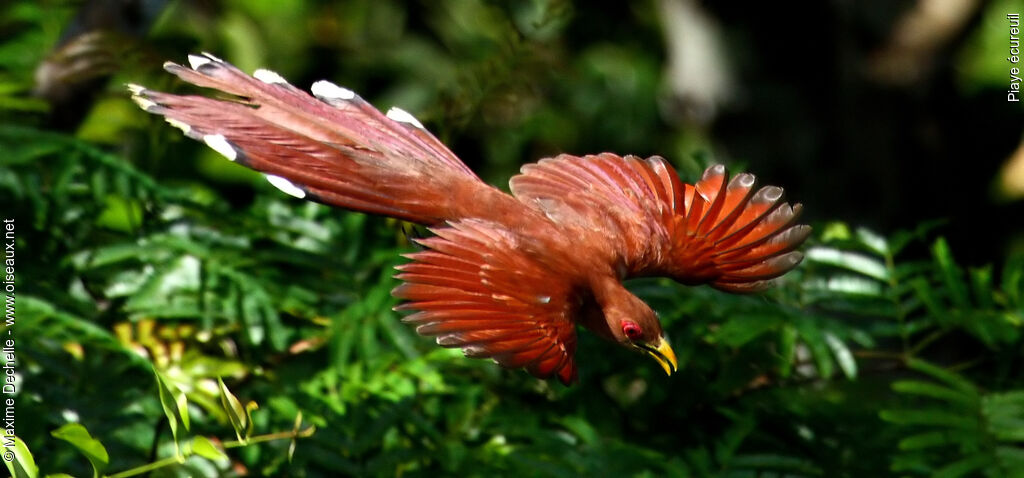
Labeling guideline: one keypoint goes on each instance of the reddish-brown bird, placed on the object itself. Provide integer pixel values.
(507, 277)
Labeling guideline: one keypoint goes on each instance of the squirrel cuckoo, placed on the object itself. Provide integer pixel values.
(506, 277)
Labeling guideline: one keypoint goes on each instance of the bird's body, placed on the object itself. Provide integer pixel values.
(507, 277)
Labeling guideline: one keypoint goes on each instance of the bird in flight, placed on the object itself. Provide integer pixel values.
(504, 276)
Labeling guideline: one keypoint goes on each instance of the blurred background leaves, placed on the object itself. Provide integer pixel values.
(894, 350)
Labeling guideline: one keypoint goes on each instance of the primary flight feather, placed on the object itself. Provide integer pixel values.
(506, 277)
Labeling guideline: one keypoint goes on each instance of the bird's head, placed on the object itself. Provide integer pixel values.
(626, 319)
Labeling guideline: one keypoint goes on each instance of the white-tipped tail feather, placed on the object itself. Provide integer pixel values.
(268, 76)
(220, 144)
(402, 116)
(326, 90)
(285, 186)
(196, 61)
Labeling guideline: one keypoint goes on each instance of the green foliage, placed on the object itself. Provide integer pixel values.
(953, 426)
(164, 292)
(19, 459)
(77, 435)
(958, 430)
(175, 406)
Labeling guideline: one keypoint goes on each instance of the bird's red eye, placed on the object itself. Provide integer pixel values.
(632, 330)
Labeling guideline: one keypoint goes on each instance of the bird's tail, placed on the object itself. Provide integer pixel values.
(332, 147)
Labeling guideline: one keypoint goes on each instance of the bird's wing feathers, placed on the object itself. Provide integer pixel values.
(718, 231)
(476, 289)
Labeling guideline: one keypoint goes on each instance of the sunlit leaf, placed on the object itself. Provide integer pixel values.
(203, 447)
(852, 261)
(237, 414)
(843, 355)
(77, 435)
(835, 231)
(249, 408)
(120, 214)
(877, 243)
(174, 403)
(846, 284)
(295, 434)
(19, 459)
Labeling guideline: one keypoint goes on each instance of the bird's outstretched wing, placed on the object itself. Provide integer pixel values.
(718, 231)
(476, 289)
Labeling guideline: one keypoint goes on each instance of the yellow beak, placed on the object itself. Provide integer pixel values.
(663, 354)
